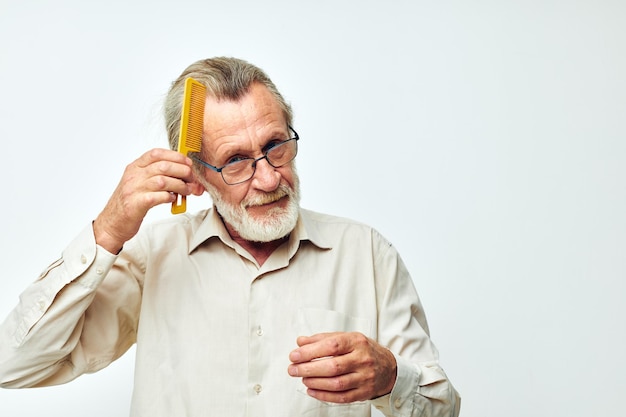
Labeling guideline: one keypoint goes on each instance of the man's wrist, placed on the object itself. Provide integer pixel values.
(105, 240)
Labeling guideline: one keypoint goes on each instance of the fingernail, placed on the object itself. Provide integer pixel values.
(295, 356)
(293, 370)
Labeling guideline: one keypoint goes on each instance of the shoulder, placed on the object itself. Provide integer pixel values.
(331, 228)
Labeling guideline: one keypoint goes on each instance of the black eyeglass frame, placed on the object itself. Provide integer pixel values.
(254, 161)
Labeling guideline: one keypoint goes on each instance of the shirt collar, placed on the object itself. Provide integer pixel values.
(307, 229)
(212, 226)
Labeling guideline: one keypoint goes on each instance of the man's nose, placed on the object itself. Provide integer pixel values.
(266, 177)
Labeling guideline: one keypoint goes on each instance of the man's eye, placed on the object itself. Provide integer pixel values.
(272, 144)
(234, 159)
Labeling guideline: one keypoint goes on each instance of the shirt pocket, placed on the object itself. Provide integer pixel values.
(310, 321)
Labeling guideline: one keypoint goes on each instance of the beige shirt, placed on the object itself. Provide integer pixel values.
(214, 329)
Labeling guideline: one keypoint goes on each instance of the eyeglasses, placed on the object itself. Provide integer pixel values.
(241, 170)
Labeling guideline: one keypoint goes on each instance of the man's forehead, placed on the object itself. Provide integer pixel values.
(257, 99)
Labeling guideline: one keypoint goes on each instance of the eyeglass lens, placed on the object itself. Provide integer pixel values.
(277, 156)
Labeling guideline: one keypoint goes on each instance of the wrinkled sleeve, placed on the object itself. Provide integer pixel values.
(422, 387)
(75, 318)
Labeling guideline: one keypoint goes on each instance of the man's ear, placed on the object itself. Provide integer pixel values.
(197, 188)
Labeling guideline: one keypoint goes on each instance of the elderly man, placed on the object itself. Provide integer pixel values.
(254, 307)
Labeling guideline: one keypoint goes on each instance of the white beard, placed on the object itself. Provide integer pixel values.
(277, 223)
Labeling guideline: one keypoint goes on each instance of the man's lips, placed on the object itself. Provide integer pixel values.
(267, 199)
(267, 202)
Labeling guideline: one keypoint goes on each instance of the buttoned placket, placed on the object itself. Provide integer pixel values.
(259, 357)
(260, 336)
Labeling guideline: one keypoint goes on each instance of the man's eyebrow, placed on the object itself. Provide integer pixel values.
(279, 134)
(235, 150)
(232, 149)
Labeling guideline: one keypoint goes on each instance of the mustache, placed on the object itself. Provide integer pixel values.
(267, 198)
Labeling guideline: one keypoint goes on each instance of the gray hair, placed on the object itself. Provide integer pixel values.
(225, 79)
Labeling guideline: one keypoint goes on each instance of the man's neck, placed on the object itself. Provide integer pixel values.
(261, 251)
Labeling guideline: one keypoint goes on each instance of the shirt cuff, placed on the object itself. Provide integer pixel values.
(83, 254)
(400, 401)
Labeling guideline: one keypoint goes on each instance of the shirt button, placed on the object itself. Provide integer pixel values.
(259, 331)
(397, 403)
(83, 259)
(99, 271)
(41, 304)
(258, 388)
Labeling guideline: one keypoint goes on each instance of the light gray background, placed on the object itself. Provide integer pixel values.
(486, 139)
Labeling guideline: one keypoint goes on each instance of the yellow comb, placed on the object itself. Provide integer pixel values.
(191, 123)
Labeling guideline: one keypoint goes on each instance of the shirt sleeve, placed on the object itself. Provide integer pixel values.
(72, 320)
(422, 387)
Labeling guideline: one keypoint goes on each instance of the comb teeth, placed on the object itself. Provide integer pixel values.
(196, 118)
(192, 120)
